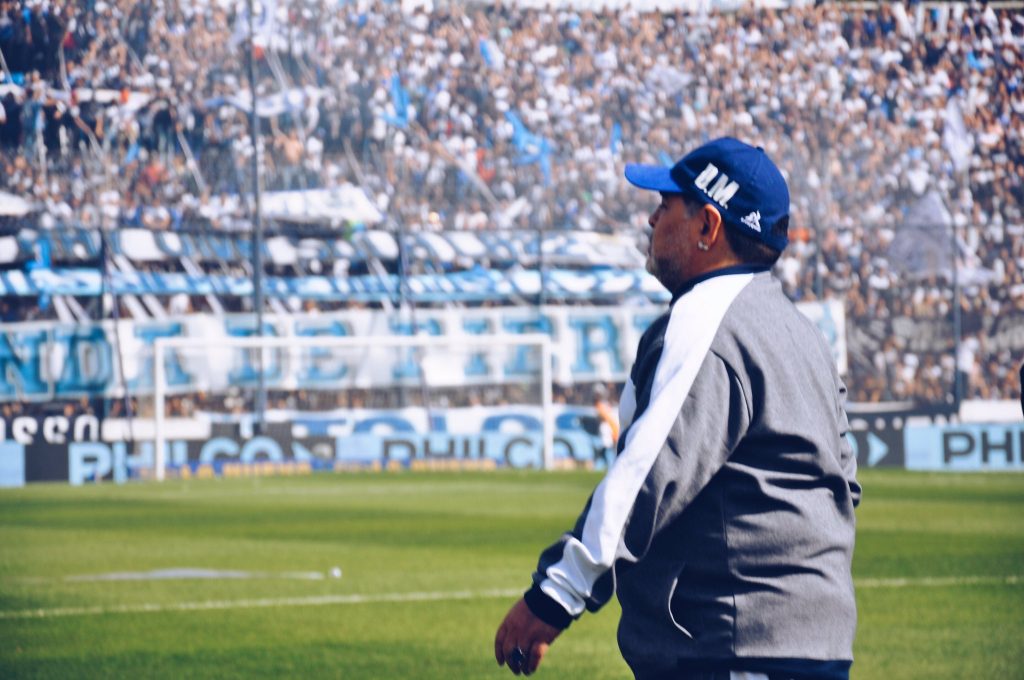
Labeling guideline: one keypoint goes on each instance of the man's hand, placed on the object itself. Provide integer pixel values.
(522, 631)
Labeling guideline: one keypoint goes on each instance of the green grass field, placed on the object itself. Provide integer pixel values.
(430, 563)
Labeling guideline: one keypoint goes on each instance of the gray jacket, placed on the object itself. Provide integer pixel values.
(726, 523)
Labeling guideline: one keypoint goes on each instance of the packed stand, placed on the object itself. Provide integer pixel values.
(494, 117)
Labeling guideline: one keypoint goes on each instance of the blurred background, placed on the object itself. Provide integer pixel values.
(455, 170)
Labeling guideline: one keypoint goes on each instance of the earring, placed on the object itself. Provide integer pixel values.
(702, 246)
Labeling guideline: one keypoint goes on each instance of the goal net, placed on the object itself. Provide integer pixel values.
(305, 402)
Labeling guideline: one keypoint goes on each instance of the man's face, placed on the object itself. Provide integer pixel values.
(670, 244)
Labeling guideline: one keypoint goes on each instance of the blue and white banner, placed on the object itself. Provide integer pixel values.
(72, 248)
(42, 361)
(476, 285)
(830, 318)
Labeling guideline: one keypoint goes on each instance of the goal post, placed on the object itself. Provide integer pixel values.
(367, 363)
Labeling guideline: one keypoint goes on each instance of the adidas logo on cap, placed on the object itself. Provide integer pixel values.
(753, 220)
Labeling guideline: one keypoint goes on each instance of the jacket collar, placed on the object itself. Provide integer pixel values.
(725, 271)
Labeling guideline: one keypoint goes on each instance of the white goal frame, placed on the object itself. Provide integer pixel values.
(162, 345)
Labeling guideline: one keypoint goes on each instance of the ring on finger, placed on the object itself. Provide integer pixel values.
(516, 659)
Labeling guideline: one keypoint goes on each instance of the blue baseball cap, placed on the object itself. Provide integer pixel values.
(738, 179)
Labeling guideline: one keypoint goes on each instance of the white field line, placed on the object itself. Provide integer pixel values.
(208, 605)
(938, 581)
(326, 600)
(193, 573)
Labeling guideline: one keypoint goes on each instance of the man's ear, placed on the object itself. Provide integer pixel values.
(712, 222)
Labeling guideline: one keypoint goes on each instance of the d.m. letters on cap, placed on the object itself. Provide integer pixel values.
(723, 189)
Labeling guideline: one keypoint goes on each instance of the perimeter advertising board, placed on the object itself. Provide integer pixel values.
(479, 437)
(59, 449)
(992, 447)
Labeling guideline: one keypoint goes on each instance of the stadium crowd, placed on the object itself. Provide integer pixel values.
(472, 116)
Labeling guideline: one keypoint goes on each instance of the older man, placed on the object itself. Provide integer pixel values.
(726, 524)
